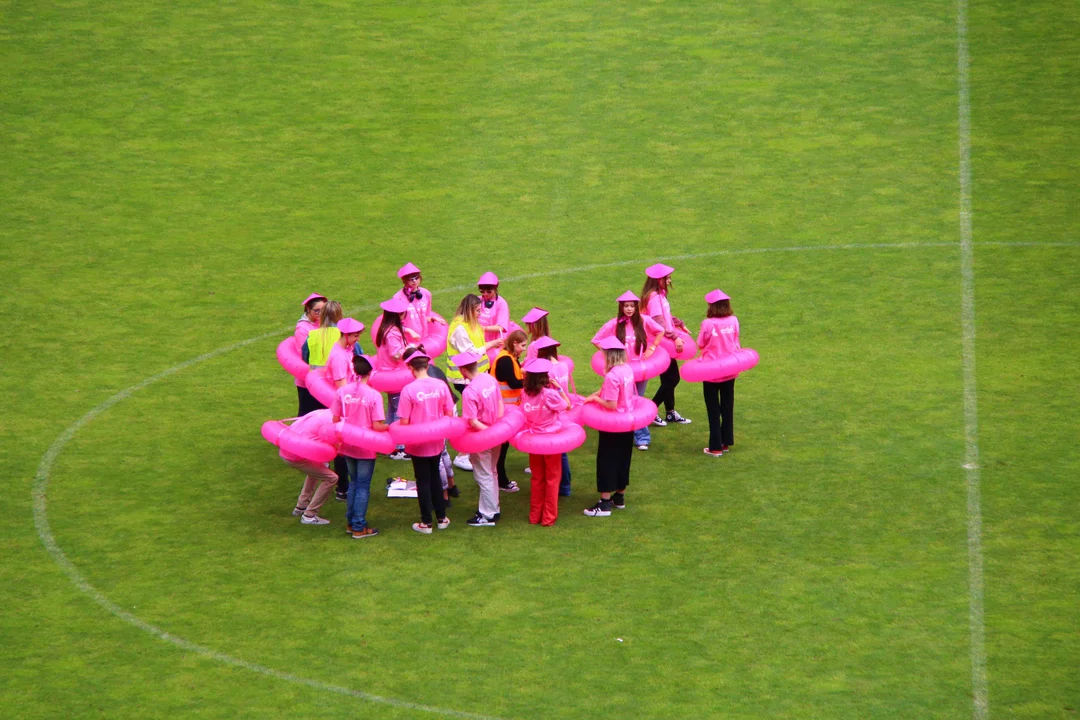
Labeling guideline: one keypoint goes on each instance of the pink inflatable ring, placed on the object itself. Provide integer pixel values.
(567, 438)
(391, 381)
(432, 431)
(574, 413)
(496, 434)
(644, 369)
(272, 429)
(320, 386)
(689, 348)
(434, 340)
(598, 418)
(365, 438)
(289, 357)
(723, 368)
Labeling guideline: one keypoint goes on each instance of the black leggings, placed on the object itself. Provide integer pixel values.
(720, 406)
(500, 466)
(428, 488)
(666, 394)
(614, 452)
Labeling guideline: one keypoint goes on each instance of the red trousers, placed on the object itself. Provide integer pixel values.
(544, 495)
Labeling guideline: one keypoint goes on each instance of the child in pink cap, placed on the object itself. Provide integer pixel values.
(358, 404)
(494, 314)
(641, 335)
(542, 401)
(319, 479)
(389, 348)
(417, 301)
(423, 400)
(309, 321)
(339, 370)
(548, 349)
(536, 325)
(719, 336)
(655, 301)
(481, 406)
(614, 450)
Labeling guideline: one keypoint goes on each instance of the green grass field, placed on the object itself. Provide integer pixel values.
(176, 177)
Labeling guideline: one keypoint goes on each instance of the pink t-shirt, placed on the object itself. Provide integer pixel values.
(308, 427)
(393, 344)
(531, 350)
(416, 317)
(339, 365)
(619, 386)
(561, 372)
(719, 337)
(303, 329)
(497, 314)
(358, 404)
(480, 400)
(423, 400)
(652, 329)
(542, 410)
(659, 305)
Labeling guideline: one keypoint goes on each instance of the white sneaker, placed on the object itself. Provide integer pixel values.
(463, 462)
(313, 520)
(444, 523)
(512, 487)
(643, 446)
(659, 421)
(422, 528)
(528, 471)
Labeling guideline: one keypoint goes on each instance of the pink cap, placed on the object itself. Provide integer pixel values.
(659, 270)
(628, 296)
(407, 269)
(545, 342)
(312, 296)
(417, 356)
(537, 365)
(716, 296)
(465, 358)
(611, 343)
(348, 325)
(394, 305)
(488, 278)
(534, 315)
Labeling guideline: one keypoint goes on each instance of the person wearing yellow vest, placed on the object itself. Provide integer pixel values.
(466, 335)
(316, 351)
(507, 371)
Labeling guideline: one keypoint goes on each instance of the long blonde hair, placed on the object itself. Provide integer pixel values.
(329, 317)
(613, 358)
(468, 310)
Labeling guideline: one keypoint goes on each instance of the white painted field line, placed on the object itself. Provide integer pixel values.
(979, 684)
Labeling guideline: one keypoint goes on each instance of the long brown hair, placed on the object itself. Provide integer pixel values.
(539, 328)
(389, 320)
(534, 383)
(718, 309)
(640, 340)
(551, 352)
(651, 287)
(518, 336)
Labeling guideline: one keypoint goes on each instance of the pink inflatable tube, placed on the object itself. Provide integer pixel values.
(434, 341)
(433, 431)
(598, 418)
(302, 447)
(714, 370)
(569, 437)
(496, 434)
(650, 367)
(361, 437)
(689, 348)
(391, 381)
(574, 413)
(320, 386)
(290, 359)
(272, 429)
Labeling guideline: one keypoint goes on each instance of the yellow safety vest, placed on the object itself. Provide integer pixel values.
(319, 342)
(510, 395)
(477, 338)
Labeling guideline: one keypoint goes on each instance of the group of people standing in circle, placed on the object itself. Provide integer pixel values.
(493, 363)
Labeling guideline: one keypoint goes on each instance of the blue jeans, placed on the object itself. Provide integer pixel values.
(360, 472)
(564, 483)
(642, 436)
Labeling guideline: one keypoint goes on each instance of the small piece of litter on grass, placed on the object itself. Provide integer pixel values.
(619, 639)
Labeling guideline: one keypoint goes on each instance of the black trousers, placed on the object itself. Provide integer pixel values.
(668, 380)
(428, 488)
(500, 466)
(720, 406)
(614, 452)
(308, 403)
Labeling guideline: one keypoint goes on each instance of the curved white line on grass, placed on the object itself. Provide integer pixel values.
(41, 478)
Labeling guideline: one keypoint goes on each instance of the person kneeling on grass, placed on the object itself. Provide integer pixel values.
(426, 399)
(359, 404)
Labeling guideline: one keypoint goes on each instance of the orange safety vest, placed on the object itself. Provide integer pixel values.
(509, 395)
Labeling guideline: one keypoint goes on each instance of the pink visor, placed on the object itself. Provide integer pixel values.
(716, 296)
(465, 358)
(348, 325)
(537, 365)
(312, 296)
(544, 342)
(628, 296)
(534, 315)
(417, 356)
(488, 278)
(407, 269)
(611, 343)
(394, 305)
(659, 270)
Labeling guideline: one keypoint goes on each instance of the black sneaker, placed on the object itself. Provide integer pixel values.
(453, 492)
(479, 520)
(675, 417)
(600, 509)
(341, 496)
(496, 516)
(618, 500)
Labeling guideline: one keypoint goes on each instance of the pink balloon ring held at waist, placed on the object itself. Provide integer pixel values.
(689, 346)
(350, 437)
(569, 437)
(425, 432)
(644, 369)
(434, 340)
(574, 413)
(320, 386)
(294, 446)
(391, 381)
(598, 418)
(272, 429)
(496, 434)
(721, 369)
(290, 359)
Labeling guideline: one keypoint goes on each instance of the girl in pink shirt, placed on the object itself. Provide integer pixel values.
(319, 479)
(389, 348)
(536, 325)
(719, 336)
(481, 406)
(494, 315)
(417, 300)
(614, 450)
(308, 321)
(654, 298)
(423, 400)
(543, 400)
(548, 349)
(339, 366)
(361, 405)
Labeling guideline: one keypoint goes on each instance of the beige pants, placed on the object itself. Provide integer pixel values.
(310, 497)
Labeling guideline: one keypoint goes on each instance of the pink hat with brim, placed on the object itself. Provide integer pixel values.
(628, 296)
(348, 325)
(488, 278)
(716, 296)
(312, 296)
(394, 305)
(545, 342)
(611, 343)
(417, 356)
(406, 270)
(534, 315)
(659, 270)
(537, 365)
(465, 358)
